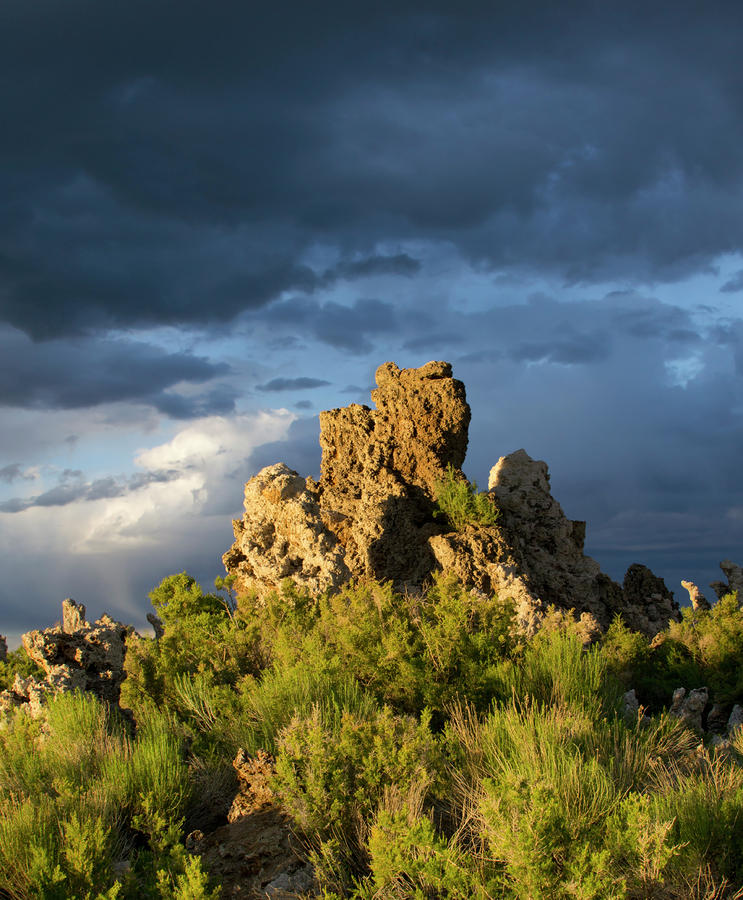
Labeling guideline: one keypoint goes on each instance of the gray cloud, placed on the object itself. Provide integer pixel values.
(353, 328)
(74, 489)
(292, 384)
(73, 374)
(734, 284)
(202, 187)
(14, 472)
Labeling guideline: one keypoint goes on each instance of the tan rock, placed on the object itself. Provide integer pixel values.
(74, 656)
(282, 534)
(690, 708)
(372, 515)
(698, 600)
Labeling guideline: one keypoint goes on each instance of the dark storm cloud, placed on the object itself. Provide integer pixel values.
(14, 472)
(163, 167)
(292, 384)
(571, 350)
(400, 264)
(75, 374)
(734, 284)
(73, 489)
(350, 328)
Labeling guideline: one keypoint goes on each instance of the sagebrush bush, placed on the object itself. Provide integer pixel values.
(424, 749)
(333, 767)
(461, 503)
(73, 787)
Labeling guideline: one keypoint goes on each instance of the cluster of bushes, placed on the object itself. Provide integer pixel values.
(423, 749)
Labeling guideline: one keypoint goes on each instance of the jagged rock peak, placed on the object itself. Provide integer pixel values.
(418, 428)
(74, 656)
(372, 515)
(734, 575)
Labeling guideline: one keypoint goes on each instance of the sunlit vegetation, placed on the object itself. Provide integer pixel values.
(423, 749)
(461, 504)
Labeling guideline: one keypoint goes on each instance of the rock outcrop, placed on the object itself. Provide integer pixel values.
(372, 515)
(75, 656)
(734, 575)
(255, 855)
(698, 600)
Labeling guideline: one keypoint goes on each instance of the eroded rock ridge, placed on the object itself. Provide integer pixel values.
(372, 515)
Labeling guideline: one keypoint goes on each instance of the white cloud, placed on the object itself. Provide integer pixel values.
(107, 553)
(211, 455)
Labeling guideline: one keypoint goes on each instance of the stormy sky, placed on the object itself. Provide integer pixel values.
(217, 220)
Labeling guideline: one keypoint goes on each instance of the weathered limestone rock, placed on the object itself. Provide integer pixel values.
(689, 709)
(75, 656)
(647, 604)
(698, 600)
(372, 515)
(380, 467)
(716, 719)
(73, 616)
(256, 853)
(157, 625)
(736, 719)
(734, 575)
(282, 534)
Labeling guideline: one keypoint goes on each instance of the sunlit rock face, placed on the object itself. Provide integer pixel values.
(74, 656)
(372, 515)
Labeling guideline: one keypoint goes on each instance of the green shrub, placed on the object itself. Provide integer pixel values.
(460, 502)
(202, 639)
(268, 706)
(18, 662)
(333, 767)
(557, 669)
(72, 787)
(704, 649)
(409, 858)
(571, 805)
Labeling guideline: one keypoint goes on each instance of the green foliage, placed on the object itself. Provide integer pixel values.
(557, 670)
(704, 649)
(72, 787)
(333, 767)
(166, 871)
(409, 858)
(460, 502)
(423, 749)
(202, 639)
(409, 651)
(17, 662)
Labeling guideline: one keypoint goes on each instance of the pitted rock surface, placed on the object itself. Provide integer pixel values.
(282, 535)
(647, 604)
(256, 854)
(372, 515)
(75, 656)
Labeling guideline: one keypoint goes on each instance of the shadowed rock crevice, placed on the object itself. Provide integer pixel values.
(372, 514)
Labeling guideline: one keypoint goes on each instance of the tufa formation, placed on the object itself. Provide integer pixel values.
(74, 656)
(372, 515)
